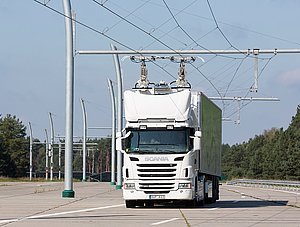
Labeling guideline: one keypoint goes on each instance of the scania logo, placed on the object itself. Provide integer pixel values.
(157, 159)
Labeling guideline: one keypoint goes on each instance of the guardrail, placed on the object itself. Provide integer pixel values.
(273, 184)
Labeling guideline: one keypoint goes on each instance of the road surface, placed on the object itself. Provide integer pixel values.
(99, 204)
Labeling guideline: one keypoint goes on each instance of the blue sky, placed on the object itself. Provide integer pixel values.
(32, 58)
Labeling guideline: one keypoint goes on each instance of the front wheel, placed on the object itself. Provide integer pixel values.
(149, 204)
(130, 203)
(191, 203)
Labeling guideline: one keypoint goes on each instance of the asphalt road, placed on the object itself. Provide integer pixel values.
(99, 204)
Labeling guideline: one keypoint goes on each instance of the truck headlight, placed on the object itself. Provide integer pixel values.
(129, 186)
(184, 185)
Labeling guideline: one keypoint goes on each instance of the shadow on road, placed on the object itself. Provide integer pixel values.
(222, 204)
(249, 203)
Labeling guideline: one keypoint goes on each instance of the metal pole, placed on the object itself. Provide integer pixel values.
(84, 115)
(119, 118)
(47, 154)
(30, 151)
(172, 52)
(238, 121)
(68, 182)
(51, 145)
(59, 160)
(93, 162)
(244, 99)
(239, 99)
(254, 88)
(113, 132)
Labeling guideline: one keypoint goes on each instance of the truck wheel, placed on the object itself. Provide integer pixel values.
(217, 189)
(130, 203)
(200, 203)
(149, 204)
(139, 203)
(191, 203)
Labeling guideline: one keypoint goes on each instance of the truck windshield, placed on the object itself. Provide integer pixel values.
(158, 141)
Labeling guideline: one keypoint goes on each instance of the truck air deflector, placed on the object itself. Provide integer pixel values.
(144, 106)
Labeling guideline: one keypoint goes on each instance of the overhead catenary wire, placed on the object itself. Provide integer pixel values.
(133, 24)
(243, 105)
(129, 14)
(190, 37)
(97, 31)
(194, 41)
(234, 75)
(181, 28)
(86, 26)
(139, 28)
(196, 15)
(166, 45)
(153, 27)
(144, 31)
(263, 68)
(186, 33)
(217, 25)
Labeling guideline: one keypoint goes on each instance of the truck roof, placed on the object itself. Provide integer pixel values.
(173, 106)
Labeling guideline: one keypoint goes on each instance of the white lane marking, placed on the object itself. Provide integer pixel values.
(215, 208)
(61, 213)
(276, 190)
(10, 220)
(206, 209)
(165, 221)
(266, 189)
(73, 211)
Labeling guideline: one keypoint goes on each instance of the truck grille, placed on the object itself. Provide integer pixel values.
(156, 178)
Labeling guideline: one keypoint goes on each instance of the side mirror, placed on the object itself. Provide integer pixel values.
(197, 140)
(198, 134)
(119, 140)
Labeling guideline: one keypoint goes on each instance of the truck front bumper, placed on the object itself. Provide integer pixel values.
(180, 194)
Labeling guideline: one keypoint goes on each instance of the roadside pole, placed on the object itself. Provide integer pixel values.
(68, 180)
(30, 151)
(113, 132)
(119, 115)
(84, 116)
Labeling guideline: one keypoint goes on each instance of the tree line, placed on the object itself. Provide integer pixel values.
(272, 155)
(275, 154)
(14, 152)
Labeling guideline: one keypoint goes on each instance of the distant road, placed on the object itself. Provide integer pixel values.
(99, 204)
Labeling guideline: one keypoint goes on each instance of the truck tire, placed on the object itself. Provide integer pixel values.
(215, 192)
(200, 203)
(149, 204)
(130, 203)
(217, 189)
(194, 203)
(139, 203)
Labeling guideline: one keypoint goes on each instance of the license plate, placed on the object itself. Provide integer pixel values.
(157, 196)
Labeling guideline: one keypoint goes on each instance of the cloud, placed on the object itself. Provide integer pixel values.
(290, 78)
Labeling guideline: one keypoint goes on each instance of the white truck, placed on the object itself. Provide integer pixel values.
(171, 144)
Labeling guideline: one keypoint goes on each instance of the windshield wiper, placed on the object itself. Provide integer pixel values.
(168, 151)
(141, 151)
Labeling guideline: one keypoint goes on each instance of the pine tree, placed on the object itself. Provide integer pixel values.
(14, 147)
